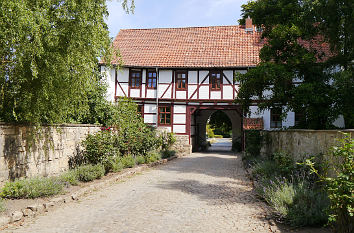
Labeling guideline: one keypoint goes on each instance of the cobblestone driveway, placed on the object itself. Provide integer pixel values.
(198, 193)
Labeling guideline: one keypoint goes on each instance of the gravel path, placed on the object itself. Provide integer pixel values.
(199, 193)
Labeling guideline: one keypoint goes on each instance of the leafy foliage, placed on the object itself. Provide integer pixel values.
(220, 123)
(167, 140)
(89, 172)
(32, 188)
(254, 141)
(128, 161)
(290, 189)
(292, 30)
(49, 53)
(340, 186)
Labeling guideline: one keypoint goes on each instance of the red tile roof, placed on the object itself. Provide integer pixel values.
(252, 123)
(194, 47)
(216, 46)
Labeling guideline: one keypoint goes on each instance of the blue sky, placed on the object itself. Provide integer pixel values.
(174, 13)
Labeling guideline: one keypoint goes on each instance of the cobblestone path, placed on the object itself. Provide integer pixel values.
(198, 193)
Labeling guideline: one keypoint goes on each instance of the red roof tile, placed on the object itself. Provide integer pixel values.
(252, 123)
(217, 46)
(198, 47)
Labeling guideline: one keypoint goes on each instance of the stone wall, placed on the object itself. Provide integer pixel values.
(25, 152)
(301, 142)
(182, 145)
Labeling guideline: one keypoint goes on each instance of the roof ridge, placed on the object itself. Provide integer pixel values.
(162, 28)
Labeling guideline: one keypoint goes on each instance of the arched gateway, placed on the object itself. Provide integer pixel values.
(179, 76)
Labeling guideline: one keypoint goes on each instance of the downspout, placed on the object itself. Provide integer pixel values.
(157, 97)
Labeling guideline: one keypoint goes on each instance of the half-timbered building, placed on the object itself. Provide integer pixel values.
(180, 76)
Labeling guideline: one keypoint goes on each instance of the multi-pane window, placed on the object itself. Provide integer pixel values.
(215, 80)
(275, 118)
(299, 117)
(151, 79)
(135, 78)
(181, 80)
(165, 115)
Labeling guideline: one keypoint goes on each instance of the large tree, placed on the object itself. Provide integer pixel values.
(49, 51)
(302, 60)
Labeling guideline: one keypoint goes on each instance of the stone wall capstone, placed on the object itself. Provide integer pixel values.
(25, 152)
(299, 143)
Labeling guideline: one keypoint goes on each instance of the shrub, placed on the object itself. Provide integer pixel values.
(69, 177)
(209, 131)
(90, 172)
(32, 188)
(218, 136)
(140, 159)
(299, 204)
(264, 169)
(112, 164)
(117, 166)
(284, 162)
(340, 186)
(100, 146)
(253, 142)
(168, 153)
(167, 140)
(153, 156)
(128, 161)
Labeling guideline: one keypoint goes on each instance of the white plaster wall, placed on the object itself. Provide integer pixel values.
(150, 119)
(123, 75)
(134, 92)
(150, 93)
(125, 87)
(266, 119)
(179, 118)
(181, 94)
(165, 76)
(150, 108)
(179, 109)
(215, 95)
(202, 75)
(192, 77)
(204, 92)
(162, 89)
(339, 122)
(227, 92)
(289, 120)
(191, 90)
(109, 75)
(179, 128)
(143, 78)
(229, 75)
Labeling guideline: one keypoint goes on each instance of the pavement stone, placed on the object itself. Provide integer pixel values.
(203, 192)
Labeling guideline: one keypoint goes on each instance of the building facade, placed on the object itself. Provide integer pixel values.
(180, 76)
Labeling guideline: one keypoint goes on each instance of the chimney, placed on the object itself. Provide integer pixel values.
(249, 25)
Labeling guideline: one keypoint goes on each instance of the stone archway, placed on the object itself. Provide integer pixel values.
(199, 121)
